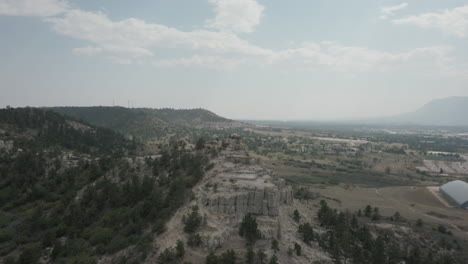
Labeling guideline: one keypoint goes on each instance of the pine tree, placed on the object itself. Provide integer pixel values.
(296, 216)
(306, 232)
(180, 250)
(354, 223)
(298, 249)
(419, 222)
(192, 221)
(249, 229)
(261, 257)
(200, 143)
(249, 256)
(228, 257)
(376, 214)
(274, 245)
(379, 251)
(368, 211)
(211, 259)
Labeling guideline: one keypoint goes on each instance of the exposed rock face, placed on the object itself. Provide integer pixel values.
(240, 185)
(235, 186)
(259, 201)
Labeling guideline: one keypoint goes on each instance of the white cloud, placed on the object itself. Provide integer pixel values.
(387, 11)
(135, 38)
(239, 16)
(356, 59)
(88, 50)
(205, 61)
(451, 21)
(136, 41)
(328, 56)
(40, 8)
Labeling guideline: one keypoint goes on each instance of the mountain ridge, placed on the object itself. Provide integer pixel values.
(141, 122)
(446, 111)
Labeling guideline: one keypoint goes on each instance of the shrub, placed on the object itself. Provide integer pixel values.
(194, 240)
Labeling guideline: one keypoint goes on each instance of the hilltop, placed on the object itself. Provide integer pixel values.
(144, 122)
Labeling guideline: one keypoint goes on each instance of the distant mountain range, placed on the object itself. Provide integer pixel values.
(450, 111)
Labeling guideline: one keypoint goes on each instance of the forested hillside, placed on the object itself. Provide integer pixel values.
(141, 122)
(32, 127)
(71, 192)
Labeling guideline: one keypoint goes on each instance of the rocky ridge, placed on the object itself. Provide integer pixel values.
(238, 185)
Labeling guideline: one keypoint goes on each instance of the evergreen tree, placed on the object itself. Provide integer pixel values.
(376, 214)
(180, 250)
(261, 257)
(192, 221)
(249, 229)
(211, 259)
(298, 249)
(274, 245)
(359, 213)
(419, 222)
(306, 232)
(415, 256)
(379, 251)
(249, 256)
(200, 143)
(397, 216)
(354, 223)
(228, 257)
(296, 216)
(194, 240)
(368, 211)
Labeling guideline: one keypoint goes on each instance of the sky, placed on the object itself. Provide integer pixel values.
(242, 59)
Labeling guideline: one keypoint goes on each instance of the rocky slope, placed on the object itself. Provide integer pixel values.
(238, 185)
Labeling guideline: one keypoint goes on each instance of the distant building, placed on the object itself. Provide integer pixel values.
(457, 192)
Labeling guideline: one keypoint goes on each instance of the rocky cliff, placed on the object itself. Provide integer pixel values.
(258, 200)
(238, 185)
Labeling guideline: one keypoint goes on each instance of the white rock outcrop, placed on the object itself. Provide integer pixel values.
(258, 201)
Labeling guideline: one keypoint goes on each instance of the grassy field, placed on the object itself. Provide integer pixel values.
(311, 176)
(412, 203)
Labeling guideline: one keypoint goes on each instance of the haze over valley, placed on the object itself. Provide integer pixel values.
(233, 132)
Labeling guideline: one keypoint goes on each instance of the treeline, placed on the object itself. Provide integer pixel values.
(424, 142)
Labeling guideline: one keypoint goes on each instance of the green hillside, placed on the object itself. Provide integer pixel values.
(141, 122)
(72, 193)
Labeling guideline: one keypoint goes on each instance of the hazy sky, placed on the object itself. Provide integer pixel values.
(257, 59)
